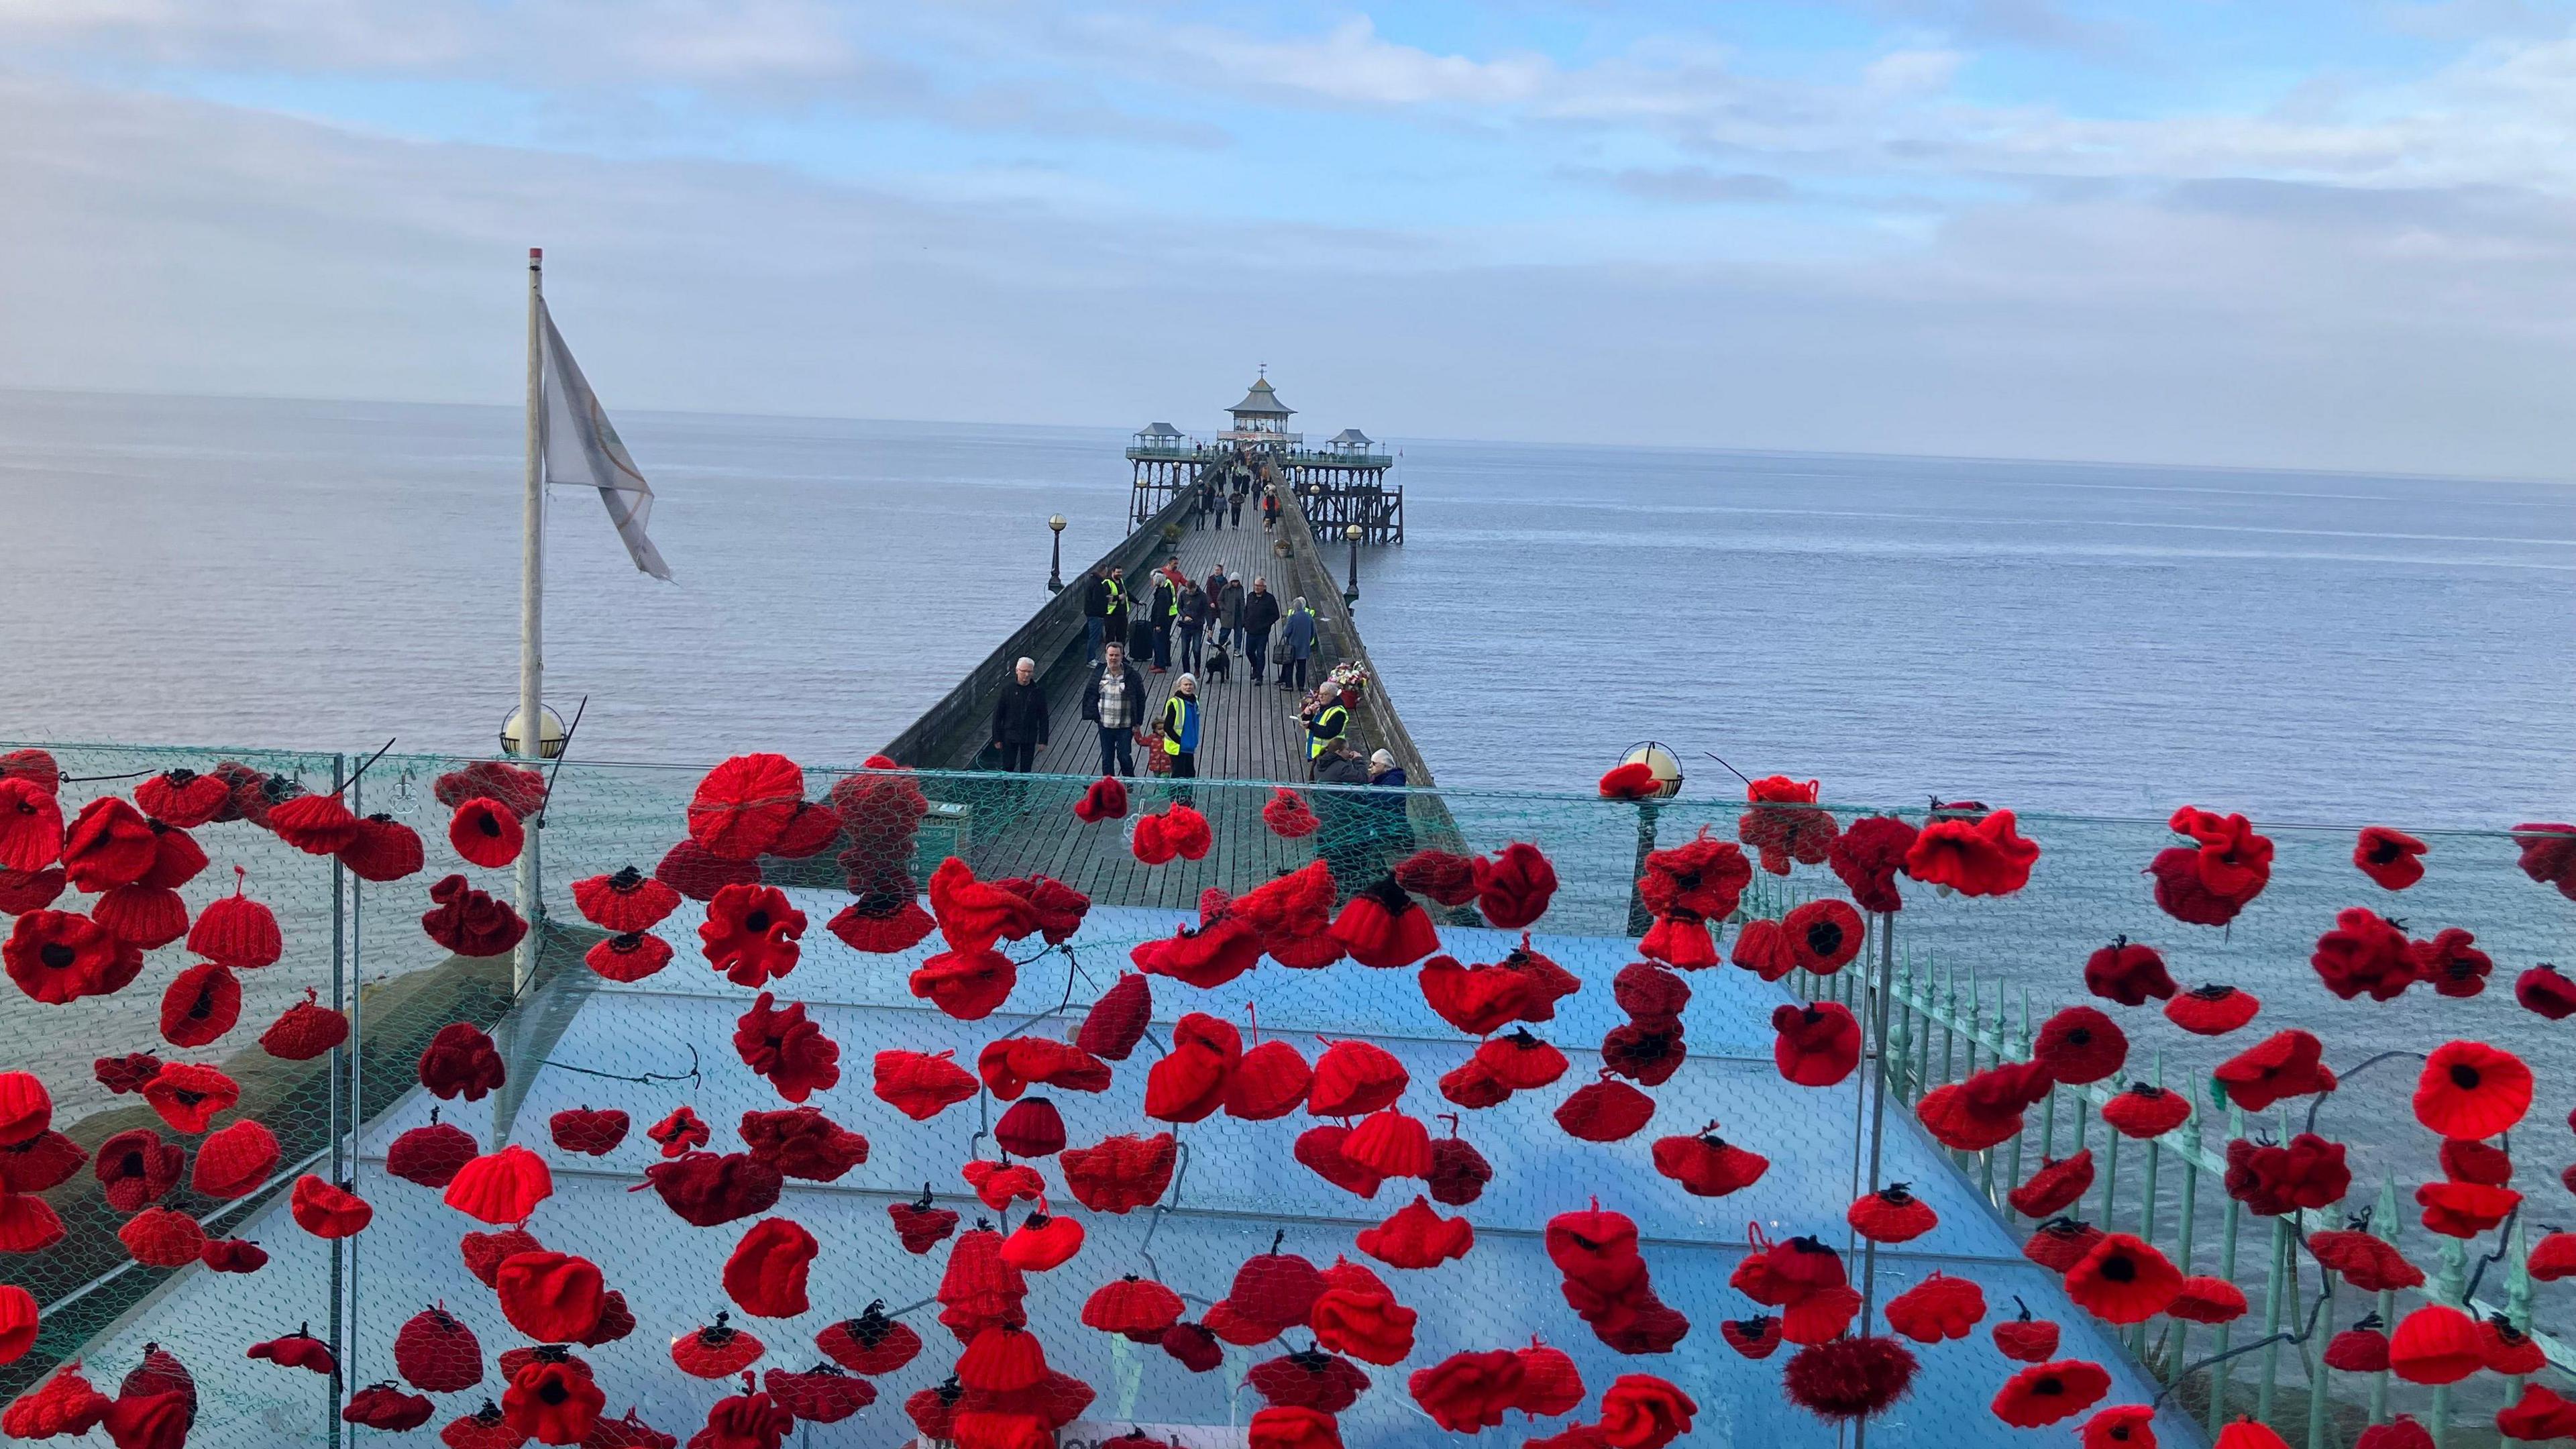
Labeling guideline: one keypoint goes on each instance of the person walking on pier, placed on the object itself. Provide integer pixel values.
(1166, 607)
(1096, 593)
(1020, 719)
(1192, 623)
(1229, 611)
(1115, 701)
(1238, 503)
(1260, 616)
(1269, 509)
(1181, 715)
(1117, 610)
(1296, 646)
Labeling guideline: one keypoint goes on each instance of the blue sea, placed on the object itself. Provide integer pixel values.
(2059, 636)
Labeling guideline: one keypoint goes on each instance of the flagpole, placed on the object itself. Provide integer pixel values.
(532, 665)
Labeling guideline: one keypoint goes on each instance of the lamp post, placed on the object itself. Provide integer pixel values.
(1667, 770)
(1351, 590)
(1055, 565)
(550, 734)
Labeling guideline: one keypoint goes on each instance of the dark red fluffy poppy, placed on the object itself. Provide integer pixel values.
(2212, 1010)
(2080, 1045)
(2128, 973)
(1817, 1045)
(1987, 857)
(1849, 1378)
(1823, 935)
(2364, 953)
(803, 1143)
(1105, 800)
(2392, 859)
(2283, 1065)
(1458, 1171)
(2143, 1111)
(2306, 1172)
(467, 921)
(1867, 856)
(461, 1061)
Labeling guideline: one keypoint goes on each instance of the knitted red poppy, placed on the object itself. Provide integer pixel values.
(2143, 1111)
(2367, 1262)
(521, 789)
(2451, 962)
(2435, 1344)
(2478, 1162)
(2123, 1280)
(297, 1350)
(382, 1406)
(1634, 780)
(626, 902)
(787, 1048)
(682, 1131)
(1603, 1111)
(748, 1420)
(189, 1097)
(742, 806)
(1647, 1049)
(2212, 1010)
(882, 922)
(1289, 816)
(1893, 1214)
(1549, 983)
(2548, 854)
(182, 797)
(766, 1274)
(110, 844)
(589, 1131)
(1105, 800)
(921, 1086)
(1680, 939)
(434, 1351)
(1116, 1022)
(2080, 1045)
(1984, 858)
(1823, 935)
(2544, 992)
(551, 1398)
(1389, 1144)
(201, 1004)
(2128, 973)
(1784, 824)
(1470, 1086)
(706, 1190)
(751, 933)
(2045, 1393)
(2307, 1172)
(2025, 1339)
(1320, 1149)
(2470, 1089)
(921, 1226)
(1474, 999)
(1984, 1109)
(57, 957)
(1763, 949)
(304, 1031)
(2060, 1243)
(1466, 1392)
(467, 921)
(1000, 1184)
(135, 1167)
(487, 833)
(380, 849)
(461, 1061)
(1382, 927)
(160, 1238)
(232, 1162)
(176, 859)
(1012, 1064)
(1140, 1308)
(1642, 1411)
(1867, 855)
(1205, 957)
(31, 824)
(430, 1156)
(1458, 1171)
(1752, 1337)
(967, 985)
(2507, 1349)
(2464, 1209)
(1357, 1315)
(1514, 886)
(2364, 953)
(1521, 1061)
(2553, 1257)
(1708, 1165)
(1938, 1308)
(1415, 1236)
(501, 1187)
(44, 1161)
(1030, 1128)
(1189, 1082)
(871, 1343)
(28, 1224)
(2392, 859)
(1702, 876)
(1849, 1378)
(22, 891)
(2283, 1065)
(1440, 875)
(803, 1143)
(1270, 1082)
(691, 870)
(328, 1211)
(2205, 1299)
(1817, 1044)
(143, 916)
(1353, 1078)
(551, 1297)
(1275, 1287)
(2183, 895)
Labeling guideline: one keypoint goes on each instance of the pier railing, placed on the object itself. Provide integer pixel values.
(1970, 981)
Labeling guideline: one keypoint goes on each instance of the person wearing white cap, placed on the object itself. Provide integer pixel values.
(1181, 715)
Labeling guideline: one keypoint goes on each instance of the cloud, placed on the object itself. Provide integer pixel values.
(1690, 184)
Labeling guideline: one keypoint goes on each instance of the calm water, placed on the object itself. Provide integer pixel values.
(2076, 637)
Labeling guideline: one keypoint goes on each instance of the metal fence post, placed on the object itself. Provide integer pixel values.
(2228, 1230)
(2383, 1218)
(340, 1157)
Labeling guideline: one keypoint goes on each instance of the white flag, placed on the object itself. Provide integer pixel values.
(581, 448)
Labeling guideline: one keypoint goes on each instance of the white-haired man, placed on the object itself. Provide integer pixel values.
(1020, 718)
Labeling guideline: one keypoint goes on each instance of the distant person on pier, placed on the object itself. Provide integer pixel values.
(1238, 503)
(1115, 701)
(1181, 715)
(1166, 607)
(1020, 719)
(1260, 616)
(1296, 645)
(1095, 615)
(1117, 630)
(1229, 611)
(1191, 623)
(1327, 728)
(1215, 587)
(1269, 509)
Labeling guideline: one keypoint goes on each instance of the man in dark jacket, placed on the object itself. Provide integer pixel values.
(1020, 719)
(1095, 614)
(1114, 699)
(1260, 616)
(1166, 607)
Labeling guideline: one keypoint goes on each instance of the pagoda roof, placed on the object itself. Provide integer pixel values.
(1160, 430)
(1354, 437)
(1261, 401)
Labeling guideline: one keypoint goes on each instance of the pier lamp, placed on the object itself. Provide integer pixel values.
(1055, 565)
(550, 733)
(1351, 591)
(1660, 762)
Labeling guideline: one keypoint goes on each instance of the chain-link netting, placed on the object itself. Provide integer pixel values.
(632, 1131)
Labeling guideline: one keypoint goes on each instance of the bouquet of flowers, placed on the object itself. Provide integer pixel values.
(1347, 676)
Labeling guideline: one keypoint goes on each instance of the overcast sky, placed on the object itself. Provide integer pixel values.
(2285, 232)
